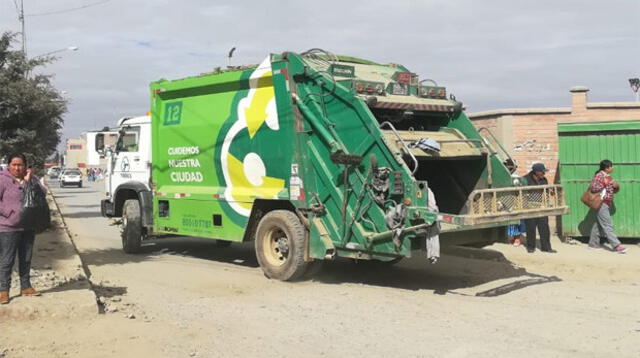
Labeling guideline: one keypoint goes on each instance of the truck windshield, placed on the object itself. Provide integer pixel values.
(128, 142)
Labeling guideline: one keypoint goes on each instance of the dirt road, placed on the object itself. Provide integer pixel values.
(187, 297)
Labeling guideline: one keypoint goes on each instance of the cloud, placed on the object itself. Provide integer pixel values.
(492, 55)
(144, 43)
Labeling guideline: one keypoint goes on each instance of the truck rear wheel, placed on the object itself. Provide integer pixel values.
(280, 245)
(131, 227)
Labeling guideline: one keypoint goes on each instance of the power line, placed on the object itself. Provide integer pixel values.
(69, 10)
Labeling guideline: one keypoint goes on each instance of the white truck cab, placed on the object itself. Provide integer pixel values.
(128, 165)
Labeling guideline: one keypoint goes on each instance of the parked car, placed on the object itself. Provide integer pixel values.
(54, 172)
(71, 177)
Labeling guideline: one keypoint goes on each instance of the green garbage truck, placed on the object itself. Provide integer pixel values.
(314, 156)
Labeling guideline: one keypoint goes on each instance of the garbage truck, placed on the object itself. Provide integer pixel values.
(314, 156)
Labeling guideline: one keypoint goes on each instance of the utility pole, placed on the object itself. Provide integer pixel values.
(24, 35)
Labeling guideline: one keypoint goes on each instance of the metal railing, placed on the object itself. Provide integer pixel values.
(515, 203)
(404, 145)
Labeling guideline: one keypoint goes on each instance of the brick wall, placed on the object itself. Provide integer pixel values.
(75, 157)
(530, 135)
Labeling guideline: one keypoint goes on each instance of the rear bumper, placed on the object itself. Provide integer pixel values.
(510, 217)
(503, 206)
(465, 222)
(75, 182)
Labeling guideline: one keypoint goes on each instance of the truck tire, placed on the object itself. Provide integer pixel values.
(131, 231)
(280, 245)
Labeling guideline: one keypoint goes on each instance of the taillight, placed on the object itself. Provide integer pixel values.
(433, 92)
(370, 87)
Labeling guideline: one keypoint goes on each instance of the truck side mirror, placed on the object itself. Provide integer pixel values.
(108, 150)
(99, 143)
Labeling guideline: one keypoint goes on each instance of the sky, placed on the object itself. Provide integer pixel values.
(493, 54)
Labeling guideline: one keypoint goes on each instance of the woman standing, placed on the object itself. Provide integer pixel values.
(514, 232)
(14, 239)
(603, 183)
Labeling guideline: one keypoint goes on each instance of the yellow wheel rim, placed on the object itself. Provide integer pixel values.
(275, 247)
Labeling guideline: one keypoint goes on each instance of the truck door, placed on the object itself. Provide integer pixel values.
(131, 160)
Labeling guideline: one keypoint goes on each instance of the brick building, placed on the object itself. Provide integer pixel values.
(75, 155)
(530, 134)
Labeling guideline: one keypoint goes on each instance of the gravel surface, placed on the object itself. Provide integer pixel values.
(185, 297)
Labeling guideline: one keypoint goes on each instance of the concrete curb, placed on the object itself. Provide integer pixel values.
(58, 272)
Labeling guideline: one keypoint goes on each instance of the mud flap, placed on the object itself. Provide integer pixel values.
(320, 244)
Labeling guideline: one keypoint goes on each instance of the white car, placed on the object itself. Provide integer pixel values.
(53, 169)
(71, 177)
(54, 172)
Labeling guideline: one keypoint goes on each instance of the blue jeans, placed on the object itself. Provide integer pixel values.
(12, 243)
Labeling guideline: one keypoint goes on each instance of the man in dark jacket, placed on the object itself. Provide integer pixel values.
(536, 177)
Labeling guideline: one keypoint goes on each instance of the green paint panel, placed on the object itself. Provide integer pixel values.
(214, 153)
(581, 147)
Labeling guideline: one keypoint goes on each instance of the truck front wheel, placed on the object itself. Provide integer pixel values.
(280, 245)
(131, 227)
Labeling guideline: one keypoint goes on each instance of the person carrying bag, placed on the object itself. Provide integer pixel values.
(592, 200)
(600, 198)
(22, 213)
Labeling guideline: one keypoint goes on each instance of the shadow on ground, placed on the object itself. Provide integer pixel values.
(76, 191)
(207, 249)
(69, 286)
(604, 242)
(459, 267)
(48, 248)
(83, 215)
(90, 206)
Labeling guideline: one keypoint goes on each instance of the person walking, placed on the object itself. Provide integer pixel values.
(15, 239)
(604, 184)
(537, 177)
